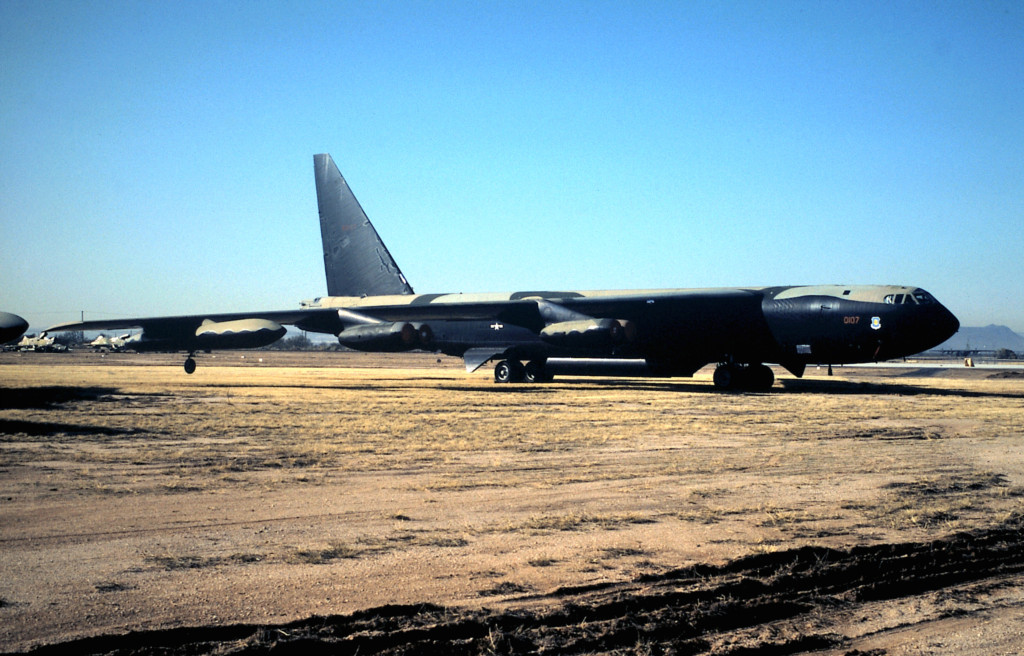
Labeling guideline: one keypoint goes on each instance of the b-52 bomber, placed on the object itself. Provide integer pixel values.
(371, 306)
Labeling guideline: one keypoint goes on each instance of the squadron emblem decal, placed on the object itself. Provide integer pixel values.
(876, 323)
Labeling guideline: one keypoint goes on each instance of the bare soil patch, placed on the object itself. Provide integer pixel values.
(279, 505)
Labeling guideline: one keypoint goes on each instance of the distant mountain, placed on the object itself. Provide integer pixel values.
(989, 337)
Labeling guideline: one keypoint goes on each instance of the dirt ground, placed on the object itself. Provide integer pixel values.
(395, 504)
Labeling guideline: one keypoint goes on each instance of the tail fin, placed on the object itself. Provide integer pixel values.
(356, 260)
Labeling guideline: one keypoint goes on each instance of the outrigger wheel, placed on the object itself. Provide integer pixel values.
(190, 365)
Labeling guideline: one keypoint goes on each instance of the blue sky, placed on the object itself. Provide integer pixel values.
(156, 157)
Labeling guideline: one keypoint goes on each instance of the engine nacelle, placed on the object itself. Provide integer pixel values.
(588, 333)
(424, 334)
(11, 326)
(393, 336)
(241, 333)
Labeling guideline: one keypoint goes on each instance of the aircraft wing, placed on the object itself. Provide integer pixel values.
(176, 325)
(323, 320)
(213, 331)
(381, 327)
(523, 313)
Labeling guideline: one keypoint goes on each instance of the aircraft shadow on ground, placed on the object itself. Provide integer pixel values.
(804, 386)
(788, 386)
(48, 397)
(44, 398)
(49, 428)
(22, 398)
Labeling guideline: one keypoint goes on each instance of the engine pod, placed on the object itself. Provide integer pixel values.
(389, 336)
(586, 333)
(241, 333)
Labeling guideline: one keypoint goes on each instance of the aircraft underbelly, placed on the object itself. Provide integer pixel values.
(711, 330)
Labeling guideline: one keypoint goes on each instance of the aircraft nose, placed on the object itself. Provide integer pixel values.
(952, 323)
(941, 325)
(930, 322)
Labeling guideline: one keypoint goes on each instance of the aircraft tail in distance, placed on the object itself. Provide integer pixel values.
(356, 261)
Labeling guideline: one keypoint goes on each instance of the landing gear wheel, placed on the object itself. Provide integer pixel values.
(509, 371)
(190, 365)
(502, 372)
(761, 377)
(536, 372)
(754, 377)
(726, 376)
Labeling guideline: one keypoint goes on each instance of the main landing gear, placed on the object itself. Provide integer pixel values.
(753, 377)
(190, 364)
(513, 371)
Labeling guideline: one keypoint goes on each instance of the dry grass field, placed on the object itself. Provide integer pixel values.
(874, 512)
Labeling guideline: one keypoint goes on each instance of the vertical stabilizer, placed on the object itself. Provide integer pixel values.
(356, 260)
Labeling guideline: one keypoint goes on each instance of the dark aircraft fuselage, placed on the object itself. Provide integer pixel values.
(678, 331)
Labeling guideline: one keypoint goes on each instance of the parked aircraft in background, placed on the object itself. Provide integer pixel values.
(42, 343)
(11, 327)
(668, 332)
(116, 343)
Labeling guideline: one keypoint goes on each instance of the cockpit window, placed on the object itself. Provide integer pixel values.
(917, 298)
